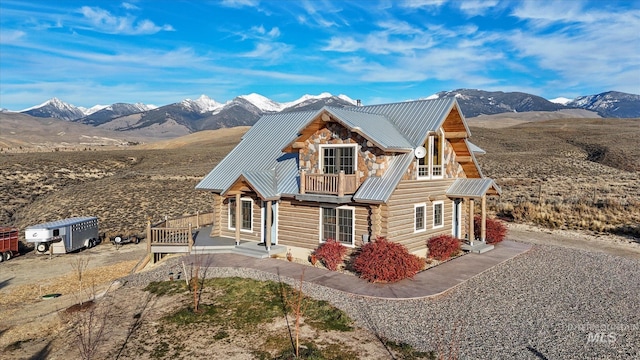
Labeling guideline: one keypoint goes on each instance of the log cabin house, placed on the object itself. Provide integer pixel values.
(405, 170)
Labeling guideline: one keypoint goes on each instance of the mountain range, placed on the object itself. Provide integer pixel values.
(205, 113)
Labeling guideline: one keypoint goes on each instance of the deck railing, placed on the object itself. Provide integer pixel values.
(178, 231)
(332, 184)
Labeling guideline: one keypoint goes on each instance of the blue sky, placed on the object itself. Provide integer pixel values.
(159, 52)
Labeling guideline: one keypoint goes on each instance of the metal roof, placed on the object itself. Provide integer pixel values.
(374, 127)
(259, 149)
(379, 189)
(472, 188)
(414, 119)
(60, 223)
(475, 148)
(259, 159)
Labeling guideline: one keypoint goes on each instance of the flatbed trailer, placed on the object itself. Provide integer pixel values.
(8, 243)
(63, 236)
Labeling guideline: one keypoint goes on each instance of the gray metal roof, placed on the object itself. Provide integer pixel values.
(374, 127)
(414, 119)
(379, 189)
(475, 148)
(259, 149)
(472, 188)
(260, 160)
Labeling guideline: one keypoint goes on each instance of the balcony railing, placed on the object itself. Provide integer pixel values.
(332, 184)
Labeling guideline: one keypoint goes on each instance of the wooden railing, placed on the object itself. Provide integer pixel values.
(178, 231)
(196, 220)
(333, 184)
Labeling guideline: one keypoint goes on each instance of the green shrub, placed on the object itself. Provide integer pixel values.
(384, 261)
(331, 253)
(442, 247)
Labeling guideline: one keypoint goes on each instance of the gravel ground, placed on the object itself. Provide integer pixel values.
(549, 303)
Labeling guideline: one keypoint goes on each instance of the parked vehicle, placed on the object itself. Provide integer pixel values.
(63, 236)
(8, 243)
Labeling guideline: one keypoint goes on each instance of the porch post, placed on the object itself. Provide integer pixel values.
(341, 181)
(267, 242)
(303, 179)
(471, 235)
(238, 218)
(483, 222)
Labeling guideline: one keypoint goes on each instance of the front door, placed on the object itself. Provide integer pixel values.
(457, 218)
(274, 222)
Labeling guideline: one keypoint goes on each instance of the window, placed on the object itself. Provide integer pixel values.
(246, 214)
(420, 212)
(436, 155)
(338, 158)
(338, 224)
(430, 166)
(438, 211)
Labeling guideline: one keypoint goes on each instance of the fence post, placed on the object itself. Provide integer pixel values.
(190, 238)
(149, 236)
(197, 219)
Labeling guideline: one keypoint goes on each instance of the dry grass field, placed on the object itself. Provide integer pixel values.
(566, 173)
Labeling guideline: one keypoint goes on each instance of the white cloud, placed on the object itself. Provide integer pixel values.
(422, 3)
(103, 21)
(585, 45)
(240, 3)
(477, 7)
(11, 36)
(129, 6)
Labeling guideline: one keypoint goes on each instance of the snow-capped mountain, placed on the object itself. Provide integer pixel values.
(561, 100)
(610, 104)
(56, 109)
(479, 102)
(202, 104)
(206, 113)
(110, 112)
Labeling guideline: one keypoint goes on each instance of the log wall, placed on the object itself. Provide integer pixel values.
(398, 213)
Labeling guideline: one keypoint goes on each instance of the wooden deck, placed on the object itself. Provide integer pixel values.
(164, 241)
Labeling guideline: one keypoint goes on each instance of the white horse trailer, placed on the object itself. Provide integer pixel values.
(63, 236)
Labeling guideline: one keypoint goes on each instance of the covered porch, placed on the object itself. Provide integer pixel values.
(471, 191)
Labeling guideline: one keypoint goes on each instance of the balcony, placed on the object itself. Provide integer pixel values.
(328, 184)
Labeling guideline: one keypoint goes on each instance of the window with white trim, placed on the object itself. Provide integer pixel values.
(430, 166)
(246, 214)
(420, 217)
(336, 158)
(438, 214)
(338, 224)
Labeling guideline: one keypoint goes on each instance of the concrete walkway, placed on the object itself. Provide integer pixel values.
(429, 283)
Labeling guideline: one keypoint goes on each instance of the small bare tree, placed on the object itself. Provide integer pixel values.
(79, 266)
(197, 277)
(295, 303)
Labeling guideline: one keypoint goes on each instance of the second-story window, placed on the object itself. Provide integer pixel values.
(430, 166)
(338, 158)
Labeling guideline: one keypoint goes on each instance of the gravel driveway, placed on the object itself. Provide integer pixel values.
(549, 303)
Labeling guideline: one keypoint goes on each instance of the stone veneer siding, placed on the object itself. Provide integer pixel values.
(371, 160)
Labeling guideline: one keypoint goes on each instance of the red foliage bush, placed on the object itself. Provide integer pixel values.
(496, 230)
(442, 247)
(331, 253)
(385, 261)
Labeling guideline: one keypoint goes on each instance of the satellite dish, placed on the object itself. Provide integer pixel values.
(420, 152)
